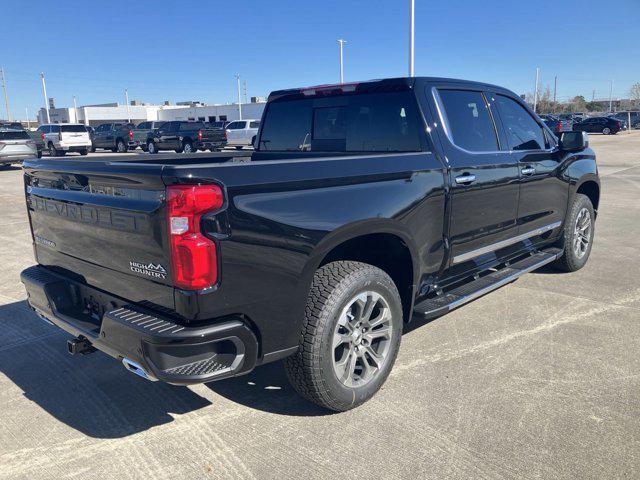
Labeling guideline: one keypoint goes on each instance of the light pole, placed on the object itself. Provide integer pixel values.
(412, 8)
(535, 94)
(6, 97)
(611, 96)
(46, 100)
(239, 104)
(341, 42)
(126, 99)
(26, 110)
(75, 109)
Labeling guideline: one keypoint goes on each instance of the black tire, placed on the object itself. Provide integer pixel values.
(84, 152)
(187, 147)
(151, 147)
(121, 147)
(39, 154)
(52, 150)
(606, 131)
(93, 149)
(143, 148)
(311, 370)
(574, 259)
(238, 147)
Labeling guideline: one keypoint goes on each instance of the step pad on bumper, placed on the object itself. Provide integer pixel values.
(441, 304)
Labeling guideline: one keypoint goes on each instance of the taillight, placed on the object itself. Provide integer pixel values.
(194, 257)
(560, 126)
(42, 135)
(130, 135)
(199, 134)
(225, 134)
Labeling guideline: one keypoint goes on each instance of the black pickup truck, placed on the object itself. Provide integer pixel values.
(185, 137)
(362, 206)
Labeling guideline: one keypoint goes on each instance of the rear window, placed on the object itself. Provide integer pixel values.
(13, 135)
(73, 128)
(373, 122)
(191, 126)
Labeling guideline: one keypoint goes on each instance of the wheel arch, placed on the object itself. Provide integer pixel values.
(591, 189)
(381, 243)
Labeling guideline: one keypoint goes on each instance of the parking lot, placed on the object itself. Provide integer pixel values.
(539, 379)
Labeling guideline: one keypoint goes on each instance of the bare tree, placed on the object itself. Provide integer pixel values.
(634, 91)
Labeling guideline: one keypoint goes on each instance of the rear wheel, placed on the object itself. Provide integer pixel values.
(187, 147)
(84, 152)
(350, 336)
(151, 147)
(577, 237)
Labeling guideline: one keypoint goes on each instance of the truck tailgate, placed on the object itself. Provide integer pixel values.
(107, 229)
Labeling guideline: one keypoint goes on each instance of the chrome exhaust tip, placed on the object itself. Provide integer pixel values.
(137, 369)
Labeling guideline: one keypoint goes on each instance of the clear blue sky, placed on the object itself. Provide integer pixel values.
(191, 50)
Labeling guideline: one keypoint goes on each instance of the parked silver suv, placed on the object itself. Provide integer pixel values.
(16, 145)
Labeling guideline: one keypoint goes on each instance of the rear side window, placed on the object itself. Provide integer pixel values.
(13, 135)
(234, 126)
(469, 120)
(372, 122)
(55, 128)
(191, 126)
(144, 125)
(523, 132)
(73, 128)
(254, 125)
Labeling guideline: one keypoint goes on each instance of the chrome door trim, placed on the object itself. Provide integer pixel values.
(463, 257)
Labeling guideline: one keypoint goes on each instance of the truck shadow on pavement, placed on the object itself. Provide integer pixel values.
(92, 394)
(266, 388)
(96, 396)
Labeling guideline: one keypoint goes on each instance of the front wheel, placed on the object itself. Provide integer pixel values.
(606, 131)
(350, 336)
(151, 147)
(121, 147)
(577, 237)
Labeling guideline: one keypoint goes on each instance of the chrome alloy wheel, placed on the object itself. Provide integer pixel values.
(362, 339)
(582, 233)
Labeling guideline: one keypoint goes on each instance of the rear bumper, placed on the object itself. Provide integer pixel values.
(163, 348)
(210, 144)
(4, 159)
(76, 147)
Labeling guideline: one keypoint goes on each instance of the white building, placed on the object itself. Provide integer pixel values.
(113, 112)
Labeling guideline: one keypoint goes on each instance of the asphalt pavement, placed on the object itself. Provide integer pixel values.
(539, 379)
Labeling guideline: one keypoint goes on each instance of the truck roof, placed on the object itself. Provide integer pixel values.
(377, 85)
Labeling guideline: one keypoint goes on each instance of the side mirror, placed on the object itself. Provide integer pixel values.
(574, 141)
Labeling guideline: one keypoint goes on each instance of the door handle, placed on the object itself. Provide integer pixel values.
(528, 170)
(465, 179)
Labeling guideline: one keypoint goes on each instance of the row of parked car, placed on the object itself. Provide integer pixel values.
(605, 124)
(151, 136)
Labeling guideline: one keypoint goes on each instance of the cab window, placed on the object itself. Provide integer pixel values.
(523, 132)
